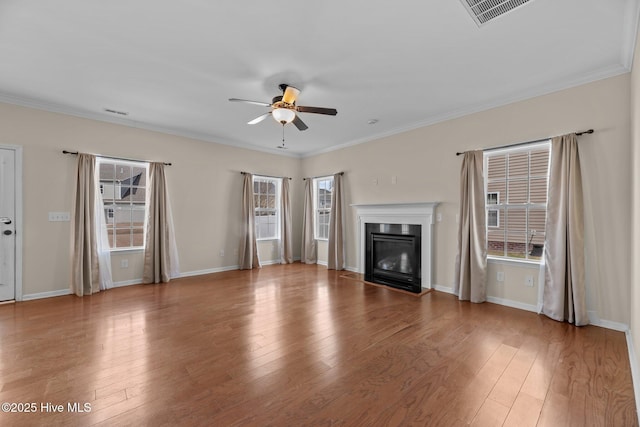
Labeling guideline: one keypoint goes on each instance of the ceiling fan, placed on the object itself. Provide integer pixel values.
(284, 109)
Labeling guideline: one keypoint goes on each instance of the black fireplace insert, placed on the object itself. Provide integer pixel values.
(393, 255)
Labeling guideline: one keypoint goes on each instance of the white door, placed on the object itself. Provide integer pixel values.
(7, 225)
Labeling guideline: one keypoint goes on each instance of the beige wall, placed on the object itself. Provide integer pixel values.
(204, 184)
(634, 324)
(426, 169)
(513, 288)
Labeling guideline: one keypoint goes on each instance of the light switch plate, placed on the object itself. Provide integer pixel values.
(59, 216)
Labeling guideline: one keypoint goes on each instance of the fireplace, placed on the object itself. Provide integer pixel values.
(393, 255)
(406, 217)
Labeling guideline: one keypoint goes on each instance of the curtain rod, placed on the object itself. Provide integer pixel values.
(321, 176)
(266, 176)
(75, 153)
(525, 143)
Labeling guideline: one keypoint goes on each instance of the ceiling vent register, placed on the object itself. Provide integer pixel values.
(483, 11)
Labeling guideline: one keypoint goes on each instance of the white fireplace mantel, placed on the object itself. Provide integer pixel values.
(399, 213)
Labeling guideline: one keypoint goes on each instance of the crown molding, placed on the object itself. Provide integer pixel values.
(569, 83)
(90, 115)
(557, 86)
(630, 32)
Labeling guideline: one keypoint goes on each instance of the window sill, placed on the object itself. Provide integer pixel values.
(322, 239)
(127, 250)
(513, 261)
(270, 239)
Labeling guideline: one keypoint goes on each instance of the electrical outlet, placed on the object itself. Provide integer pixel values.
(528, 281)
(500, 277)
(124, 263)
(375, 181)
(439, 217)
(221, 253)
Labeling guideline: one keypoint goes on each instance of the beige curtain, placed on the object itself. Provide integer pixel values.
(308, 253)
(248, 244)
(160, 254)
(471, 261)
(286, 253)
(564, 288)
(335, 259)
(89, 273)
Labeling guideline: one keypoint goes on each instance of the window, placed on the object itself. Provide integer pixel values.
(516, 201)
(266, 197)
(493, 219)
(122, 185)
(322, 189)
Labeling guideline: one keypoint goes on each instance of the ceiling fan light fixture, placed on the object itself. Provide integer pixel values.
(290, 94)
(283, 115)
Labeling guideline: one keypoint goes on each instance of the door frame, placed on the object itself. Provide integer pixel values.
(17, 149)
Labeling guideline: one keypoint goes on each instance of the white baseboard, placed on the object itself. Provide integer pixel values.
(209, 271)
(635, 372)
(596, 321)
(351, 269)
(63, 292)
(127, 283)
(446, 289)
(513, 304)
(593, 316)
(494, 300)
(50, 294)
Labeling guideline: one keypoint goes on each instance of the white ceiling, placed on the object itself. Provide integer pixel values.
(172, 65)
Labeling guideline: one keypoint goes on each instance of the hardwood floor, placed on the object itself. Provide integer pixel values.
(299, 345)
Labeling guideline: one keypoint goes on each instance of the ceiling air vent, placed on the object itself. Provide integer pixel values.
(483, 11)
(112, 111)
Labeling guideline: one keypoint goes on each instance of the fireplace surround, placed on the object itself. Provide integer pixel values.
(399, 214)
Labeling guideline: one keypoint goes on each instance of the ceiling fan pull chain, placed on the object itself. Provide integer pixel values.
(283, 134)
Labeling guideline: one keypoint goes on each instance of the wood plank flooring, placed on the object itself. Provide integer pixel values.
(298, 345)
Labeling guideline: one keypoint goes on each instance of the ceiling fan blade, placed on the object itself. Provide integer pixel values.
(299, 123)
(290, 94)
(259, 118)
(318, 110)
(263, 104)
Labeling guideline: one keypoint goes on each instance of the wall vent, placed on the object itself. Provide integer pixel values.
(483, 11)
